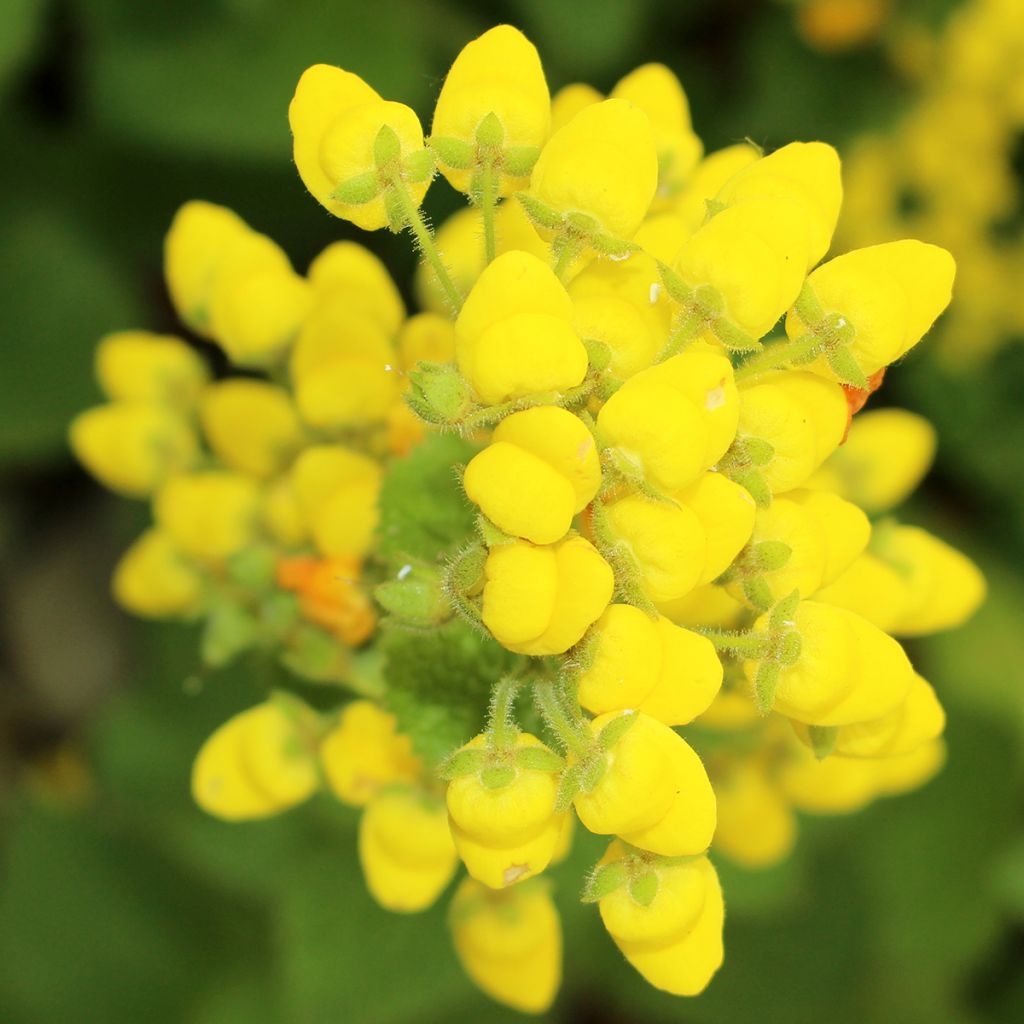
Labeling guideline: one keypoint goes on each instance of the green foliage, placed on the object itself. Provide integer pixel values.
(423, 509)
(439, 684)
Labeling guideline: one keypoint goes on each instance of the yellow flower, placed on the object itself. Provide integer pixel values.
(848, 670)
(753, 254)
(669, 423)
(540, 600)
(342, 367)
(540, 470)
(801, 417)
(649, 664)
(233, 284)
(943, 587)
(884, 458)
(622, 306)
(426, 337)
(336, 489)
(602, 164)
(255, 314)
(509, 942)
(132, 447)
(726, 512)
(405, 850)
(505, 828)
(756, 826)
(917, 721)
(653, 792)
(144, 367)
(335, 119)
(570, 100)
(351, 270)
(888, 295)
(803, 173)
(674, 939)
(665, 541)
(514, 336)
(872, 588)
(497, 74)
(659, 94)
(460, 240)
(364, 753)
(255, 765)
(250, 425)
(706, 181)
(281, 514)
(155, 580)
(209, 514)
(812, 538)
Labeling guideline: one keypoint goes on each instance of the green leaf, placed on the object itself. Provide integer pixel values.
(413, 527)
(439, 685)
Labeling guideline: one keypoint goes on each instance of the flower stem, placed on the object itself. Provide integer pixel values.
(425, 241)
(488, 200)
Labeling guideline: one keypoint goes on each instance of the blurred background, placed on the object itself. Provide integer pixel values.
(119, 899)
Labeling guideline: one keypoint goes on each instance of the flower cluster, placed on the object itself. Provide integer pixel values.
(679, 518)
(949, 168)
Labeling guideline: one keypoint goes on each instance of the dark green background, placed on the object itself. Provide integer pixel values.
(132, 905)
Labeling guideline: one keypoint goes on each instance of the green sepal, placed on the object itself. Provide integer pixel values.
(363, 188)
(498, 776)
(416, 598)
(230, 629)
(253, 568)
(784, 611)
(845, 367)
(808, 306)
(610, 735)
(453, 153)
(599, 354)
(568, 788)
(490, 133)
(539, 759)
(713, 207)
(755, 485)
(788, 650)
(758, 451)
(765, 682)
(770, 555)
(439, 393)
(387, 147)
(644, 888)
(541, 214)
(462, 762)
(757, 592)
(604, 880)
(674, 284)
(733, 338)
(315, 655)
(591, 773)
(466, 570)
(611, 247)
(279, 612)
(518, 161)
(823, 739)
(418, 166)
(490, 534)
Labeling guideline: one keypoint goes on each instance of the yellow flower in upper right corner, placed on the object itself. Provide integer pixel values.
(890, 294)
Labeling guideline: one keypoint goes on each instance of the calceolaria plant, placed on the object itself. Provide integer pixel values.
(599, 538)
